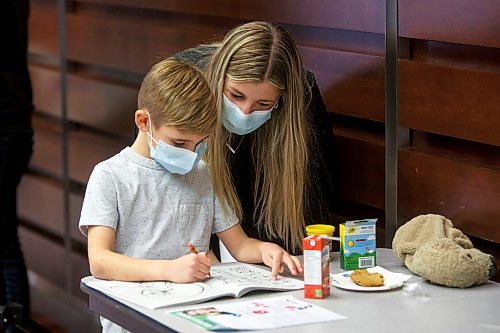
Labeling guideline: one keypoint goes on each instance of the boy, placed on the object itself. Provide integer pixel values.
(144, 206)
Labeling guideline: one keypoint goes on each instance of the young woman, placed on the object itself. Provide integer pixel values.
(274, 134)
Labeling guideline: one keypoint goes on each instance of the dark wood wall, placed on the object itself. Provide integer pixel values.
(449, 98)
(448, 84)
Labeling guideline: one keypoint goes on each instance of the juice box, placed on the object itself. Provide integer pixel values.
(316, 266)
(358, 244)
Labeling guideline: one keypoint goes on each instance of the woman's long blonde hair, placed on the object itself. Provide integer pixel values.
(260, 51)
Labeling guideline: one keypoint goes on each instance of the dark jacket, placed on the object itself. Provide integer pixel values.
(321, 165)
(15, 85)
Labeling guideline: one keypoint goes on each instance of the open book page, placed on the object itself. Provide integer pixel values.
(157, 294)
(239, 278)
(232, 279)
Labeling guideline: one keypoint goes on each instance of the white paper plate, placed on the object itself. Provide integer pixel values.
(391, 280)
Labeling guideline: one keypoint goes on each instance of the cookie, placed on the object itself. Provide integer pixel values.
(363, 278)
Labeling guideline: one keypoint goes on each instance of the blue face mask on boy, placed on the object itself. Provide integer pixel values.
(237, 122)
(174, 159)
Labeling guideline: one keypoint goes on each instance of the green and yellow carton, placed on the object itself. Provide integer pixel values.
(358, 244)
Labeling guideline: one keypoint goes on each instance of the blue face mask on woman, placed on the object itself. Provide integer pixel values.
(174, 159)
(237, 122)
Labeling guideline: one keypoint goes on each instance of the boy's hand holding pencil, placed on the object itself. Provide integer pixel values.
(193, 267)
(192, 248)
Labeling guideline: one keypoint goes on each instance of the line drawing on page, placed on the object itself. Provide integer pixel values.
(169, 289)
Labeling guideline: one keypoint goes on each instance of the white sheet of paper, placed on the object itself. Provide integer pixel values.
(257, 314)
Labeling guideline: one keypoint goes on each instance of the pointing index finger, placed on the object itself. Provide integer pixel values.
(276, 268)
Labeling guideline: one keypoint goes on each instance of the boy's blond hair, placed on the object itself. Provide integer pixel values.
(176, 93)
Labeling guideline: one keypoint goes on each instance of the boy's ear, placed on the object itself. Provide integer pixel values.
(142, 120)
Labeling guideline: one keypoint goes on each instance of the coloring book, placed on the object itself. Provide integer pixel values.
(230, 279)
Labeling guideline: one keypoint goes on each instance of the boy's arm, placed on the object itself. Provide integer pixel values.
(251, 250)
(107, 264)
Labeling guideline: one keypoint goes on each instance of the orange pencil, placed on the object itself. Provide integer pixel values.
(192, 248)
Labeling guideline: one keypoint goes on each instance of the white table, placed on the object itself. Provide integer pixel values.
(441, 309)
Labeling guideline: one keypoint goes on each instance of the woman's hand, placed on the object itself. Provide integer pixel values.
(275, 257)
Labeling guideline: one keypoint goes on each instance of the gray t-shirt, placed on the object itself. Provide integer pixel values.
(155, 213)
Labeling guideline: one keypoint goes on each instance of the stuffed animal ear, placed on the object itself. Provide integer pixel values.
(444, 261)
(461, 239)
(419, 230)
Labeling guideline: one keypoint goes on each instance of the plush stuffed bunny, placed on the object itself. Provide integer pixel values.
(431, 248)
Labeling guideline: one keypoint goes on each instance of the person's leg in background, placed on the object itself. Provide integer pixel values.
(15, 151)
(16, 142)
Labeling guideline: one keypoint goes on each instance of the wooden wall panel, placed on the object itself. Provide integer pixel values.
(45, 209)
(46, 258)
(43, 34)
(451, 101)
(351, 83)
(340, 40)
(46, 86)
(447, 93)
(151, 42)
(458, 21)
(86, 149)
(80, 268)
(47, 146)
(94, 102)
(103, 105)
(471, 57)
(360, 161)
(357, 15)
(43, 256)
(465, 193)
(457, 149)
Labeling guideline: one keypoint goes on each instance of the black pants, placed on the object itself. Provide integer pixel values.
(16, 145)
(15, 152)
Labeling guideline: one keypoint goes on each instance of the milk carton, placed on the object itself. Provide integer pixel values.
(316, 266)
(358, 244)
